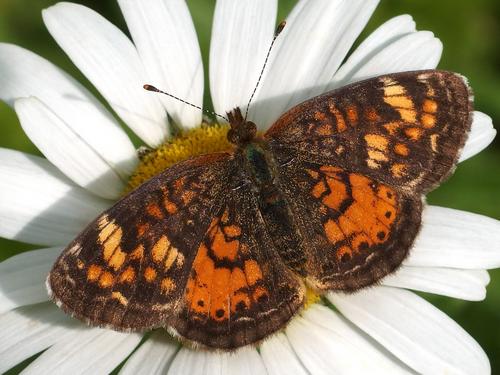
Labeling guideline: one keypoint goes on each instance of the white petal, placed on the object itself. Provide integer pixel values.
(29, 330)
(22, 278)
(456, 239)
(86, 351)
(414, 51)
(24, 74)
(69, 152)
(153, 357)
(481, 135)
(241, 35)
(309, 51)
(110, 61)
(244, 361)
(382, 37)
(193, 362)
(38, 204)
(464, 284)
(164, 35)
(326, 344)
(279, 356)
(416, 332)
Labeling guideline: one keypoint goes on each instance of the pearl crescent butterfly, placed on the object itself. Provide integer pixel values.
(219, 249)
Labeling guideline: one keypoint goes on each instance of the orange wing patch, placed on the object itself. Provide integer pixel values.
(214, 289)
(364, 211)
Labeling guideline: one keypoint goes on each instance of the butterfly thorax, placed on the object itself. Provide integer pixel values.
(260, 167)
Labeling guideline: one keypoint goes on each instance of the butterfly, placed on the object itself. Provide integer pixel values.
(219, 249)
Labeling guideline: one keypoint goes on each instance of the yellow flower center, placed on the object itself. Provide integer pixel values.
(194, 142)
(311, 298)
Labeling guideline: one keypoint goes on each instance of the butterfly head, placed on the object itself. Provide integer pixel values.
(242, 132)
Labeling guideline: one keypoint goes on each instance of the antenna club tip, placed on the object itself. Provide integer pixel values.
(280, 27)
(150, 88)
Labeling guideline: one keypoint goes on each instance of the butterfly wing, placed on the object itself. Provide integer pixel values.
(181, 251)
(353, 164)
(405, 129)
(239, 290)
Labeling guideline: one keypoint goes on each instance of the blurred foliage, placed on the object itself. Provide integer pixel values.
(470, 33)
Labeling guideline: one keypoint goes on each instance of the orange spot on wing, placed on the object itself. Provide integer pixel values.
(150, 274)
(138, 253)
(398, 170)
(377, 155)
(154, 210)
(394, 90)
(430, 106)
(387, 194)
(372, 115)
(253, 272)
(94, 272)
(352, 114)
(408, 115)
(170, 206)
(128, 275)
(391, 127)
(171, 257)
(222, 248)
(200, 287)
(319, 116)
(401, 149)
(333, 232)
(117, 259)
(376, 141)
(319, 189)
(142, 228)
(160, 248)
(413, 133)
(338, 194)
(232, 231)
(341, 125)
(106, 280)
(429, 121)
(399, 102)
(220, 294)
(167, 285)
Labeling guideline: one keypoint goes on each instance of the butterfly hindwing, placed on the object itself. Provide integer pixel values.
(404, 129)
(354, 230)
(239, 290)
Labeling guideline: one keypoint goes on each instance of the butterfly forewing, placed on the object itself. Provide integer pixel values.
(405, 129)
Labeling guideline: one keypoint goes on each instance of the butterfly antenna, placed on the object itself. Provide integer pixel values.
(154, 89)
(279, 29)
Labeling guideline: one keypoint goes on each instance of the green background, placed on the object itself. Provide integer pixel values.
(470, 32)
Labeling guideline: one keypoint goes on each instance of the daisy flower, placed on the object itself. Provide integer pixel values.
(89, 162)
